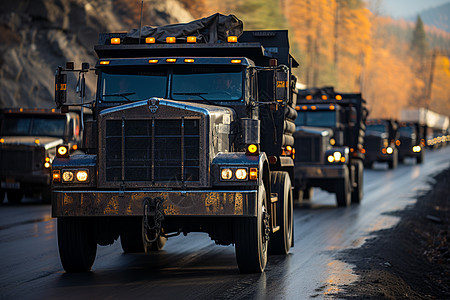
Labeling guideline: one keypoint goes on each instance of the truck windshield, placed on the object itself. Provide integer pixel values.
(23, 125)
(406, 131)
(376, 127)
(207, 83)
(126, 85)
(316, 118)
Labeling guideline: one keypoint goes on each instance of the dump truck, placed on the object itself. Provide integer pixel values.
(411, 141)
(28, 141)
(329, 144)
(191, 131)
(381, 142)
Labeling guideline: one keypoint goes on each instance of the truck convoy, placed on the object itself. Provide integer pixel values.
(28, 141)
(381, 142)
(192, 131)
(329, 144)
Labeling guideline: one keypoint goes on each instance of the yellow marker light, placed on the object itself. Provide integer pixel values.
(21, 110)
(297, 107)
(75, 147)
(337, 156)
(56, 176)
(226, 174)
(150, 40)
(62, 150)
(253, 174)
(104, 62)
(313, 107)
(332, 107)
(324, 97)
(241, 174)
(236, 61)
(309, 97)
(2, 140)
(338, 97)
(115, 41)
(397, 142)
(252, 148)
(47, 165)
(304, 107)
(332, 142)
(288, 150)
(47, 159)
(383, 150)
(330, 158)
(171, 60)
(82, 175)
(67, 176)
(232, 39)
(171, 40)
(389, 150)
(53, 110)
(192, 39)
(189, 60)
(36, 141)
(152, 61)
(342, 159)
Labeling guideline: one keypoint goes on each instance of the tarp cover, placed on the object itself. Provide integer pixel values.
(213, 29)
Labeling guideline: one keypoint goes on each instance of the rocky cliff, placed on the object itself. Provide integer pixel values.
(36, 36)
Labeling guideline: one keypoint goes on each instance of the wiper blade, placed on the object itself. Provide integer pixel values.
(196, 94)
(123, 95)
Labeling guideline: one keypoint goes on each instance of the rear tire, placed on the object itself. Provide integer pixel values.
(394, 162)
(251, 238)
(131, 237)
(14, 196)
(281, 241)
(77, 243)
(419, 158)
(358, 191)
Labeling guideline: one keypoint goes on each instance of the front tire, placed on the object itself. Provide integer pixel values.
(281, 241)
(394, 162)
(77, 244)
(358, 192)
(14, 196)
(343, 193)
(251, 238)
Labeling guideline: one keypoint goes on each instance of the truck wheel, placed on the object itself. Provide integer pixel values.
(77, 244)
(358, 191)
(343, 193)
(251, 238)
(419, 158)
(394, 162)
(281, 241)
(131, 237)
(14, 196)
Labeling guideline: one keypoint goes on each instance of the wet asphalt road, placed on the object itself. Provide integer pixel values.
(193, 267)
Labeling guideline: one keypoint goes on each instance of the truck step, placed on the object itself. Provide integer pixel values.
(273, 197)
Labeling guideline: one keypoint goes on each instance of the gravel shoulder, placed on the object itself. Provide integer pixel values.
(411, 260)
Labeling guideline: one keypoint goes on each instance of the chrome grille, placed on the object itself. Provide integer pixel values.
(153, 150)
(307, 149)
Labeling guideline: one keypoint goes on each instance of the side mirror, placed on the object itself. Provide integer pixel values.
(60, 88)
(282, 86)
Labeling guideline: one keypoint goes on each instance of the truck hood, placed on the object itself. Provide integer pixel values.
(44, 141)
(308, 130)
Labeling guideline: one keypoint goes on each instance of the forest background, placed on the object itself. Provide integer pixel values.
(396, 64)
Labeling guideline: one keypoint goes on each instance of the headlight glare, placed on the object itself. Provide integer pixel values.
(226, 174)
(67, 176)
(337, 156)
(241, 174)
(330, 158)
(389, 150)
(82, 175)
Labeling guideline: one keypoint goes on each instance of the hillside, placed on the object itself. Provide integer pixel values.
(438, 17)
(36, 36)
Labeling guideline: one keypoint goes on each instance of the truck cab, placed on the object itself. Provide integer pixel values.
(186, 136)
(328, 144)
(381, 142)
(28, 141)
(411, 141)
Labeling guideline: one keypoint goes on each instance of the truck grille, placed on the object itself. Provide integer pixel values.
(153, 150)
(307, 149)
(19, 161)
(372, 143)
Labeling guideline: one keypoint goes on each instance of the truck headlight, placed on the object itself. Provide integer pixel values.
(337, 156)
(389, 150)
(67, 176)
(416, 149)
(82, 176)
(62, 151)
(241, 174)
(226, 174)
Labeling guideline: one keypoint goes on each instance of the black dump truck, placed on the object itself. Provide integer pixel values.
(28, 141)
(381, 142)
(191, 131)
(329, 148)
(412, 141)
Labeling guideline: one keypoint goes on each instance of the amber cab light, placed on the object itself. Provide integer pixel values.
(232, 39)
(171, 40)
(115, 41)
(56, 176)
(253, 174)
(150, 40)
(62, 151)
(192, 39)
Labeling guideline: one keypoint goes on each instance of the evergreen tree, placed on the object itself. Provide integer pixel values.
(419, 44)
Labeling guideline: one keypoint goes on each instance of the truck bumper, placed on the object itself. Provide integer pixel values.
(175, 203)
(320, 172)
(31, 181)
